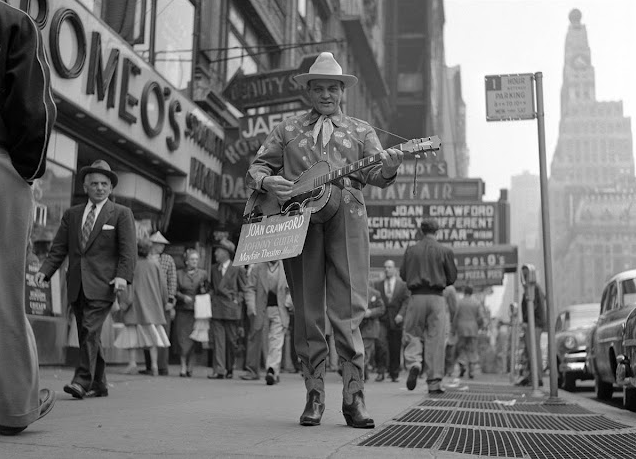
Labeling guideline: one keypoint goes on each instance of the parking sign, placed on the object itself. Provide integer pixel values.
(510, 97)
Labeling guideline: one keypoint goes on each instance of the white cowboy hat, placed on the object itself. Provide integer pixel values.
(158, 238)
(326, 68)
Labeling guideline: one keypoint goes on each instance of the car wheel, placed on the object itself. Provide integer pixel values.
(629, 399)
(569, 382)
(604, 391)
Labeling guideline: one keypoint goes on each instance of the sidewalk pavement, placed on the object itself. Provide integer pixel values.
(147, 416)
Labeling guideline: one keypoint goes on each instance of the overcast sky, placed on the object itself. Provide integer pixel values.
(487, 37)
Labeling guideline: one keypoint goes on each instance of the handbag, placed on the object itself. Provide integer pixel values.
(203, 306)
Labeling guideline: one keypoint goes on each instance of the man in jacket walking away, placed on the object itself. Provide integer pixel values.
(428, 268)
(27, 114)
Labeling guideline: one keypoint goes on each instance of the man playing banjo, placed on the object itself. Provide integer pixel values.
(333, 269)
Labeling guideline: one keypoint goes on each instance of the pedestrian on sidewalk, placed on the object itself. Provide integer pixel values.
(268, 302)
(540, 321)
(228, 285)
(143, 311)
(333, 269)
(469, 319)
(27, 115)
(191, 281)
(169, 269)
(395, 295)
(100, 240)
(370, 327)
(428, 268)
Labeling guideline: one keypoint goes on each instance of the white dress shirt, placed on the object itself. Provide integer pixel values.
(389, 287)
(224, 266)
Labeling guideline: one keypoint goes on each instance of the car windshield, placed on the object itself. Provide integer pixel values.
(629, 291)
(581, 317)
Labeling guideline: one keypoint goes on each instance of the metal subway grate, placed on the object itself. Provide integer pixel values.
(439, 403)
(535, 421)
(590, 423)
(525, 408)
(479, 419)
(428, 416)
(481, 442)
(566, 409)
(531, 408)
(484, 397)
(616, 445)
(405, 436)
(561, 446)
(495, 390)
(480, 405)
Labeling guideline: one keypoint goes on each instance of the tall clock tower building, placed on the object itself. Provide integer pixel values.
(592, 184)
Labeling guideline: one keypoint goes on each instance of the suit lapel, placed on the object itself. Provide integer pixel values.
(76, 225)
(102, 218)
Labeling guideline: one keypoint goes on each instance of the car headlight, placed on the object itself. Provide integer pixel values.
(569, 342)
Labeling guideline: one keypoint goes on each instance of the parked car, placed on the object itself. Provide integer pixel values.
(573, 325)
(612, 345)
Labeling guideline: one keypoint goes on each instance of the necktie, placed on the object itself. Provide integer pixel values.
(88, 226)
(389, 290)
(324, 123)
(222, 270)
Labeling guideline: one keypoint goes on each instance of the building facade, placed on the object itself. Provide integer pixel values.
(174, 94)
(122, 96)
(592, 183)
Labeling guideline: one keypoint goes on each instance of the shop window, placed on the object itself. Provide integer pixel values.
(160, 31)
(174, 40)
(309, 22)
(247, 51)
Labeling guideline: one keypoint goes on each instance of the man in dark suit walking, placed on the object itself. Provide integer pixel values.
(228, 290)
(100, 240)
(27, 115)
(395, 295)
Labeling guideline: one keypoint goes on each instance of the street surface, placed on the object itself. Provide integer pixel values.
(196, 417)
(585, 389)
(148, 416)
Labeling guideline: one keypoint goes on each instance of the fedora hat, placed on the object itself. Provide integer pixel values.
(158, 238)
(225, 244)
(326, 68)
(101, 167)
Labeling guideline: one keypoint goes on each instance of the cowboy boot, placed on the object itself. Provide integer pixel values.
(354, 409)
(315, 385)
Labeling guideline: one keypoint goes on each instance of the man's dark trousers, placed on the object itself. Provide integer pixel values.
(394, 341)
(90, 316)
